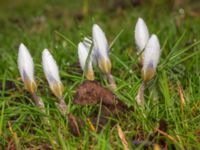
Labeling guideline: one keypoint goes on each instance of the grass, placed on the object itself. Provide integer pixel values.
(59, 26)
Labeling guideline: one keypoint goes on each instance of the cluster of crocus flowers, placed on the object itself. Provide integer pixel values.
(52, 75)
(96, 52)
(26, 69)
(149, 51)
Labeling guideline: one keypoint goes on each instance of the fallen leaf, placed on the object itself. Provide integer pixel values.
(73, 125)
(182, 99)
(122, 137)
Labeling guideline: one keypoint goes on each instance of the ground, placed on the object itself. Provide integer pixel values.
(172, 98)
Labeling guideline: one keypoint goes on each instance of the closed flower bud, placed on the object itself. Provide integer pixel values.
(141, 35)
(83, 52)
(26, 68)
(151, 58)
(52, 75)
(101, 49)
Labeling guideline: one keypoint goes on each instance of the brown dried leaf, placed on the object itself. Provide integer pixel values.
(181, 95)
(73, 125)
(122, 137)
(15, 137)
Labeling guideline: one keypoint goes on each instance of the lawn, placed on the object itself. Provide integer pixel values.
(170, 116)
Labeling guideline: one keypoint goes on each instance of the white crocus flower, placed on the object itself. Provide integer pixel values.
(83, 52)
(151, 58)
(141, 35)
(26, 68)
(52, 75)
(101, 49)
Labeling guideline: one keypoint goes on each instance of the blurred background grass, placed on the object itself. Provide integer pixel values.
(35, 23)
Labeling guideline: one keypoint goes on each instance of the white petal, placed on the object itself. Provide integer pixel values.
(100, 42)
(151, 53)
(50, 68)
(25, 63)
(88, 43)
(141, 34)
(83, 52)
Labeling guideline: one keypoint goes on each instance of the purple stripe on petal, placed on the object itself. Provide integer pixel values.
(150, 65)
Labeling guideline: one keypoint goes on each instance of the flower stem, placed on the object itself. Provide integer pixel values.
(62, 106)
(111, 81)
(140, 95)
(38, 101)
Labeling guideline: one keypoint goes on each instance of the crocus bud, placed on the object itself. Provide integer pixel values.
(101, 49)
(151, 58)
(83, 52)
(141, 35)
(26, 68)
(52, 75)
